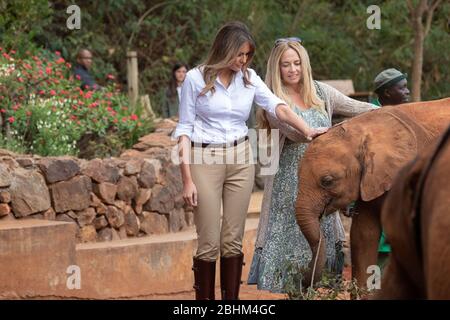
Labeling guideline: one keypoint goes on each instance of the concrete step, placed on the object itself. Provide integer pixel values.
(34, 257)
(150, 266)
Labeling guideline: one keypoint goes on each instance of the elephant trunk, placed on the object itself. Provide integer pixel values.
(310, 227)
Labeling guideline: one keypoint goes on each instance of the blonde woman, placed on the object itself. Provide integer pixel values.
(216, 98)
(279, 242)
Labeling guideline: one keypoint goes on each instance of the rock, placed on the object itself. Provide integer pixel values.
(100, 222)
(152, 140)
(166, 124)
(142, 197)
(25, 162)
(177, 220)
(189, 217)
(5, 176)
(95, 201)
(131, 154)
(133, 166)
(101, 209)
(10, 163)
(29, 193)
(74, 194)
(106, 191)
(107, 234)
(86, 216)
(87, 234)
(121, 205)
(132, 224)
(174, 182)
(8, 217)
(115, 217)
(161, 200)
(5, 197)
(72, 214)
(100, 172)
(64, 217)
(58, 169)
(4, 209)
(49, 214)
(127, 189)
(36, 216)
(153, 223)
(147, 177)
(123, 232)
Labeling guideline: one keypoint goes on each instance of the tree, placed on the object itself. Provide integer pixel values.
(423, 10)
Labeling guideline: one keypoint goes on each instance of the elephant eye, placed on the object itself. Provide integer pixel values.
(326, 181)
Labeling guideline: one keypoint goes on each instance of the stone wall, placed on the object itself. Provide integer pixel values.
(134, 195)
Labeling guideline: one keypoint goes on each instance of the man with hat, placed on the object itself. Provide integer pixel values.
(391, 87)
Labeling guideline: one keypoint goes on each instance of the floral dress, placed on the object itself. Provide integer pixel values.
(285, 245)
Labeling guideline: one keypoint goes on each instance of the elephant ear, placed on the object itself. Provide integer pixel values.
(388, 144)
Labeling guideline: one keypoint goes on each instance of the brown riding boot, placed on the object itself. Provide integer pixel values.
(230, 276)
(205, 279)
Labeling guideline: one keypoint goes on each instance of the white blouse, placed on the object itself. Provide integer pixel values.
(221, 117)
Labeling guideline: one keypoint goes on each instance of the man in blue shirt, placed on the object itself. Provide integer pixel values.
(81, 70)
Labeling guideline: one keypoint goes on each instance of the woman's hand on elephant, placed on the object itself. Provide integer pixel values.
(315, 132)
(190, 193)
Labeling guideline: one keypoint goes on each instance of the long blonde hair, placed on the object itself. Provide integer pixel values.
(275, 83)
(229, 39)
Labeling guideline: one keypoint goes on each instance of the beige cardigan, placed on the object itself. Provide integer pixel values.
(335, 102)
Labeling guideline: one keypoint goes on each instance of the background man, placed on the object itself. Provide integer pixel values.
(391, 87)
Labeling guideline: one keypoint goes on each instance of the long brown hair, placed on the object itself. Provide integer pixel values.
(275, 83)
(229, 39)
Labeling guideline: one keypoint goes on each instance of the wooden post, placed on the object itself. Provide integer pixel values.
(132, 76)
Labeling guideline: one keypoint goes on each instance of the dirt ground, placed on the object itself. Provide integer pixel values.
(247, 292)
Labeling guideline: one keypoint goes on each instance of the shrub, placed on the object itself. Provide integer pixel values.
(44, 111)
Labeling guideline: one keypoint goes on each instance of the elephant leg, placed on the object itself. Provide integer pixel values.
(364, 238)
(395, 285)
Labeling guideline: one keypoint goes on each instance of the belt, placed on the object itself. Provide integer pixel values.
(219, 145)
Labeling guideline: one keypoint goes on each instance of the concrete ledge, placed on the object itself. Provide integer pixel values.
(34, 257)
(146, 266)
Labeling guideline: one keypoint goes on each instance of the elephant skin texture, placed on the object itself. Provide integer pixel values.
(416, 220)
(357, 160)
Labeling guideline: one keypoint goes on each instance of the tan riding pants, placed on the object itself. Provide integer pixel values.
(224, 181)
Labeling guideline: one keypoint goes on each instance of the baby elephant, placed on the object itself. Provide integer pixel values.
(416, 219)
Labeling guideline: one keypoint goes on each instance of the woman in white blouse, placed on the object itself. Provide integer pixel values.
(216, 99)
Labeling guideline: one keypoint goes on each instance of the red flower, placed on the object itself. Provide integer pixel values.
(68, 65)
(115, 120)
(15, 107)
(88, 94)
(6, 55)
(124, 119)
(110, 76)
(11, 119)
(78, 77)
(134, 117)
(48, 70)
(12, 51)
(41, 92)
(52, 92)
(58, 53)
(28, 113)
(60, 60)
(2, 110)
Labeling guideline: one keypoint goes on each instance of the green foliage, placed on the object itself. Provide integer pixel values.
(44, 111)
(330, 287)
